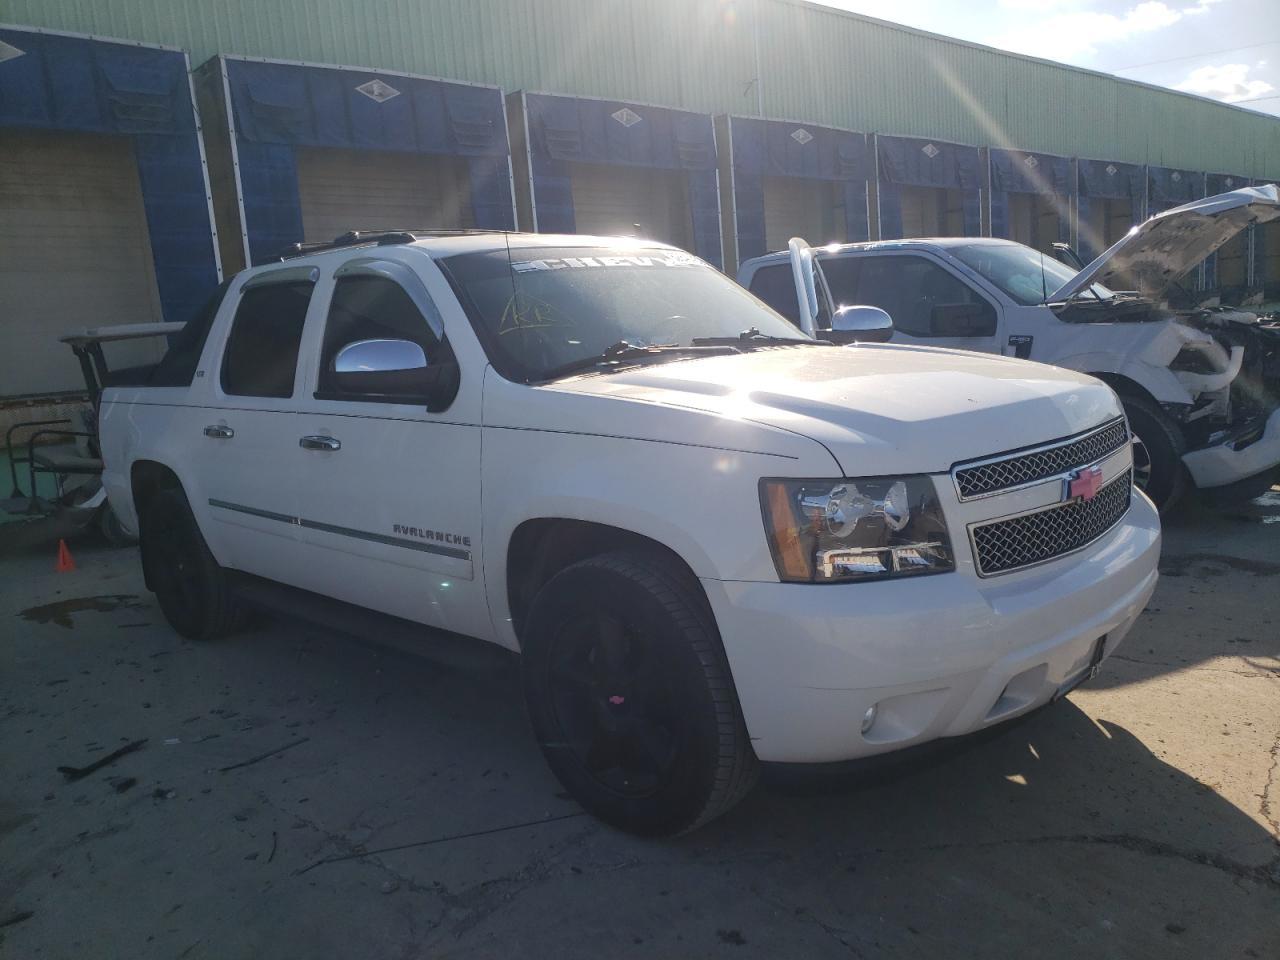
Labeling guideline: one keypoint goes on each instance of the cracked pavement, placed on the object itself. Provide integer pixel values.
(412, 816)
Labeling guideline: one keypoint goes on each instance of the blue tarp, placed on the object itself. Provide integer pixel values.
(764, 148)
(279, 107)
(1170, 187)
(95, 86)
(1021, 171)
(1107, 180)
(565, 130)
(909, 161)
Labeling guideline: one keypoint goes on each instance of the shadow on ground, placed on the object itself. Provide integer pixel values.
(303, 795)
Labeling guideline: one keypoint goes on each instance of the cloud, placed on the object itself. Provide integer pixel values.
(1229, 82)
(1037, 6)
(1079, 32)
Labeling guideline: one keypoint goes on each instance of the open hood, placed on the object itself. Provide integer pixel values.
(1155, 253)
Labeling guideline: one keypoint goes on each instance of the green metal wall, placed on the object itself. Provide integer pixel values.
(815, 64)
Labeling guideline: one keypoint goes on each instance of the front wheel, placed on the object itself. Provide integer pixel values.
(630, 696)
(1157, 452)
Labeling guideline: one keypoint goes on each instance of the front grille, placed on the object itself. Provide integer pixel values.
(1004, 545)
(993, 476)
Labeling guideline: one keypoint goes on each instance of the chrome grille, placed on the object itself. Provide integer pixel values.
(993, 476)
(1004, 545)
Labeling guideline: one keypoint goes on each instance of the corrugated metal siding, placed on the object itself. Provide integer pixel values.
(816, 64)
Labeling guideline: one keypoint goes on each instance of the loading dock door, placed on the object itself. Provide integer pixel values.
(74, 252)
(1268, 234)
(1107, 221)
(1232, 262)
(932, 212)
(1033, 220)
(343, 190)
(798, 207)
(632, 201)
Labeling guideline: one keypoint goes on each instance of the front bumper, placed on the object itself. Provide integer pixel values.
(1228, 462)
(938, 656)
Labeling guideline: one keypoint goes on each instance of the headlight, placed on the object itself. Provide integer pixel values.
(828, 531)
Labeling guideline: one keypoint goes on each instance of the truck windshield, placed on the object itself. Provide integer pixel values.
(1017, 270)
(546, 308)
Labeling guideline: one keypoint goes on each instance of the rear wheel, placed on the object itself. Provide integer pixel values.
(193, 591)
(630, 696)
(1157, 452)
(111, 529)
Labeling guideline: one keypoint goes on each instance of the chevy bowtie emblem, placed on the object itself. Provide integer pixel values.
(1084, 484)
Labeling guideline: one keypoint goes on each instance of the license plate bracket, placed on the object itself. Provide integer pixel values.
(1087, 673)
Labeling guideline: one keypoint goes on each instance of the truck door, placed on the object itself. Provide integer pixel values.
(928, 302)
(389, 491)
(239, 469)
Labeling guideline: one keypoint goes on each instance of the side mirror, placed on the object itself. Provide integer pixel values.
(859, 324)
(379, 356)
(391, 371)
(962, 320)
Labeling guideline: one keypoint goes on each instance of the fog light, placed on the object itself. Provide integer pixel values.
(869, 718)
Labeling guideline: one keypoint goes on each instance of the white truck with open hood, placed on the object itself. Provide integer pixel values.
(1201, 387)
(713, 540)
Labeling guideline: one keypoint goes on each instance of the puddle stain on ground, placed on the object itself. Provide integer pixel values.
(60, 611)
(1205, 565)
(1265, 509)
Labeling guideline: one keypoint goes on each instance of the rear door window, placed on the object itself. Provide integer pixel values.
(261, 355)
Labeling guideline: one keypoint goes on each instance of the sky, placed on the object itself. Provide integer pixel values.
(1226, 50)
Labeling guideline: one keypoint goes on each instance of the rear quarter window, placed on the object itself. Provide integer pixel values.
(177, 368)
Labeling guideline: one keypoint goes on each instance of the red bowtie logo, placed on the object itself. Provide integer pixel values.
(1085, 484)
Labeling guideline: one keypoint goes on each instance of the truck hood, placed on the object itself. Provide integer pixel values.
(878, 408)
(1155, 253)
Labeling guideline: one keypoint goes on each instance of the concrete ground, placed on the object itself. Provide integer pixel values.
(300, 794)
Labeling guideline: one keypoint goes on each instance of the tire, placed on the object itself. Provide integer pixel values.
(194, 593)
(1157, 453)
(630, 696)
(111, 530)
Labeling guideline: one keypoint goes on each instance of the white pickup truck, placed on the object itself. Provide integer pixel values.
(1200, 386)
(713, 540)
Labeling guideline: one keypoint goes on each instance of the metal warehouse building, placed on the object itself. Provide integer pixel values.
(129, 182)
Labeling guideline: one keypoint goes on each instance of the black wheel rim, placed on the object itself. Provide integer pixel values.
(177, 567)
(612, 701)
(1141, 464)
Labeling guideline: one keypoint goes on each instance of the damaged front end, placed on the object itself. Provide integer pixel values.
(1231, 366)
(1215, 371)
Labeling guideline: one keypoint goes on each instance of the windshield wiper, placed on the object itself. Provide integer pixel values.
(624, 353)
(753, 337)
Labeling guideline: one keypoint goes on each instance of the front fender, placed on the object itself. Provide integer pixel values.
(1157, 380)
(699, 501)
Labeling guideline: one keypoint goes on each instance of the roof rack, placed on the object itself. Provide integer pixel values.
(354, 238)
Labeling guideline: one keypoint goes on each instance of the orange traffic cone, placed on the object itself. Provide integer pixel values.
(65, 562)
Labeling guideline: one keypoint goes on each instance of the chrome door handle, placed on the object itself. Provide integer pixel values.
(319, 443)
(219, 431)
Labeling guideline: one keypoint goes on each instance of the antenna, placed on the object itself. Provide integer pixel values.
(515, 290)
(1044, 291)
